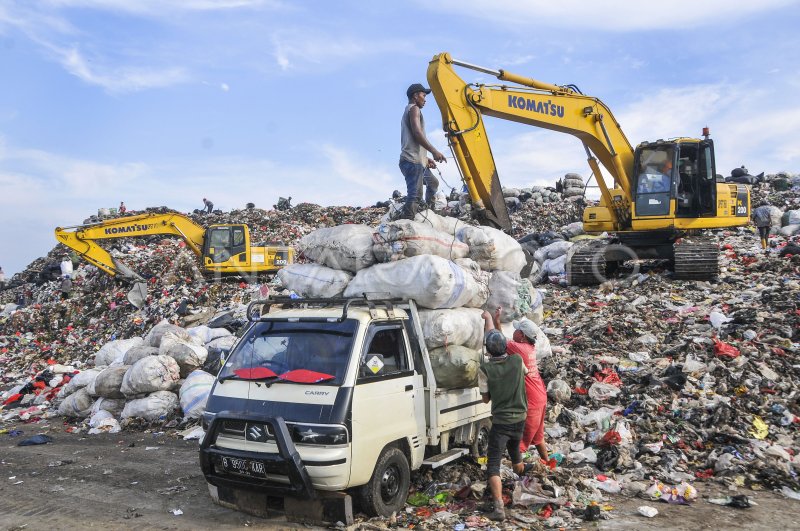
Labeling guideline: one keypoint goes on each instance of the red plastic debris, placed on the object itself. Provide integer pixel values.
(724, 350)
(609, 376)
(305, 376)
(546, 511)
(610, 438)
(11, 399)
(704, 474)
(255, 373)
(581, 391)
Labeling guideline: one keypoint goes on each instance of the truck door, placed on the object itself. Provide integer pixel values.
(383, 397)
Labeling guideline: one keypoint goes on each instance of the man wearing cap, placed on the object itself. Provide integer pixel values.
(414, 148)
(501, 381)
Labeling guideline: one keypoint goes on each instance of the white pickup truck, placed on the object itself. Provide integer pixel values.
(333, 395)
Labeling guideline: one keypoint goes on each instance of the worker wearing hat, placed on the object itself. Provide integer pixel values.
(414, 147)
(501, 380)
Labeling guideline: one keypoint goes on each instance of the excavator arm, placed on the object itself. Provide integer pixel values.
(83, 238)
(528, 101)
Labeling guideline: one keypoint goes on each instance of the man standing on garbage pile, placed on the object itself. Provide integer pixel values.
(208, 205)
(501, 381)
(414, 147)
(122, 208)
(762, 219)
(2, 278)
(523, 344)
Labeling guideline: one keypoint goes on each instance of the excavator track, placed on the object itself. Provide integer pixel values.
(696, 259)
(587, 265)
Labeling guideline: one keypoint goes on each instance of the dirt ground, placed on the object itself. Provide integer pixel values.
(136, 480)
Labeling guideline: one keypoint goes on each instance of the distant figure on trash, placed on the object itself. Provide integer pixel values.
(762, 218)
(208, 205)
(2, 278)
(414, 147)
(66, 287)
(122, 208)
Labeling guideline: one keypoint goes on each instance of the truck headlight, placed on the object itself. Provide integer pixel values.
(206, 420)
(321, 435)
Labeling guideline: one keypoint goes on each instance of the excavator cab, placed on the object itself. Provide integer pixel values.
(225, 243)
(680, 170)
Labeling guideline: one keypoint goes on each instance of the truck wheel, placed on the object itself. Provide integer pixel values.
(480, 446)
(387, 489)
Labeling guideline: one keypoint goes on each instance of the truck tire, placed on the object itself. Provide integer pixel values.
(480, 446)
(387, 489)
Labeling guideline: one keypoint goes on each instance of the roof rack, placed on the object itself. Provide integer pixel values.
(371, 301)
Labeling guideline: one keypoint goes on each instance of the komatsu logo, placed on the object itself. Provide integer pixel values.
(541, 107)
(130, 228)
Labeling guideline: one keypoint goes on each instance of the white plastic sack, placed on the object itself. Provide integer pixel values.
(573, 191)
(405, 238)
(481, 279)
(554, 250)
(205, 334)
(775, 215)
(455, 367)
(558, 391)
(107, 425)
(459, 326)
(189, 355)
(137, 353)
(112, 405)
(347, 247)
(108, 382)
(446, 224)
(115, 351)
(152, 407)
(78, 404)
(556, 266)
(572, 230)
(314, 280)
(154, 373)
(431, 281)
(222, 343)
(99, 416)
(792, 217)
(194, 393)
(789, 230)
(153, 337)
(515, 295)
(79, 381)
(66, 268)
(493, 249)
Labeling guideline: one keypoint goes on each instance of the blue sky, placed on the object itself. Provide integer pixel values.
(163, 102)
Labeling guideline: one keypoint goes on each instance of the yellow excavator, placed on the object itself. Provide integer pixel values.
(662, 191)
(222, 248)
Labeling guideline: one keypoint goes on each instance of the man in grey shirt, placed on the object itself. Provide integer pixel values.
(414, 161)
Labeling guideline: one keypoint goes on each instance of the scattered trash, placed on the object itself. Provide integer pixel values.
(649, 512)
(35, 440)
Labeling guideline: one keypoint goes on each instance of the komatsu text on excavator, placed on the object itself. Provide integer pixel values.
(222, 248)
(662, 191)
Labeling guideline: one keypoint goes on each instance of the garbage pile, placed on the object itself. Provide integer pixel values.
(658, 388)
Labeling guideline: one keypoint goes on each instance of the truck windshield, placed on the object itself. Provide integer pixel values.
(307, 352)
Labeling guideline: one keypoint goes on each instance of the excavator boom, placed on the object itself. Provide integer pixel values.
(530, 102)
(83, 238)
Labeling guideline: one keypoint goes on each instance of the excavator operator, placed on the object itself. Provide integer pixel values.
(414, 161)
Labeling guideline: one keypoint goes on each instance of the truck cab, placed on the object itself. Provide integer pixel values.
(333, 395)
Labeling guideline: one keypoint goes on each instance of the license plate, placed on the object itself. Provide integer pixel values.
(246, 467)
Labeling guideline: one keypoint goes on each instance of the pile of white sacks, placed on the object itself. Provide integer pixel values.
(452, 270)
(145, 377)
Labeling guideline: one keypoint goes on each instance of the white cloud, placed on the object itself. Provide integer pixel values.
(606, 15)
(224, 87)
(160, 7)
(118, 79)
(303, 49)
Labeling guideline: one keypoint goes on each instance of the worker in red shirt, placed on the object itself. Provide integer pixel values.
(523, 344)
